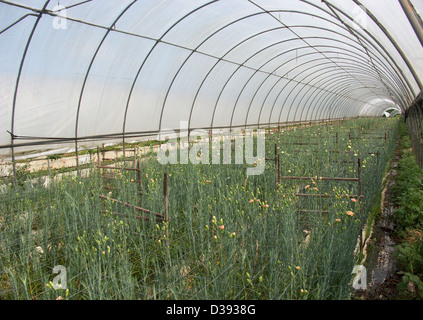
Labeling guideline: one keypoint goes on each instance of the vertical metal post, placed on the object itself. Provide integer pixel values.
(77, 162)
(165, 198)
(98, 156)
(360, 197)
(15, 176)
(139, 176)
(166, 205)
(276, 167)
(279, 169)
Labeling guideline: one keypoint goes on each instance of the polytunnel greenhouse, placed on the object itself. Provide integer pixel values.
(210, 149)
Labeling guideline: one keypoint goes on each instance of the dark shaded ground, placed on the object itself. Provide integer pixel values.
(382, 273)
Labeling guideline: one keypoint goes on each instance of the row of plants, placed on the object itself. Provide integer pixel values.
(228, 236)
(407, 196)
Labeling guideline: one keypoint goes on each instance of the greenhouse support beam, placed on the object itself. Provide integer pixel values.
(394, 43)
(414, 19)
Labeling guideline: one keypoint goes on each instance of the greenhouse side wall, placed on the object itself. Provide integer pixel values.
(414, 120)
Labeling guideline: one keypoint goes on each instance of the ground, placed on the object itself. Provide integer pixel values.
(383, 277)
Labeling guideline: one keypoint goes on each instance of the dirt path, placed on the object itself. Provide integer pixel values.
(382, 277)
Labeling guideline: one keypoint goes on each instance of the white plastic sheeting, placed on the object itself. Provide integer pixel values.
(76, 74)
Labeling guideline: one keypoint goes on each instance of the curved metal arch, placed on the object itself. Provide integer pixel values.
(326, 111)
(358, 49)
(233, 22)
(372, 62)
(280, 67)
(344, 106)
(355, 67)
(292, 90)
(347, 44)
(210, 37)
(335, 109)
(250, 103)
(87, 74)
(320, 105)
(346, 88)
(359, 35)
(322, 97)
(18, 79)
(148, 56)
(377, 45)
(337, 72)
(350, 45)
(274, 71)
(341, 109)
(317, 106)
(247, 60)
(332, 77)
(344, 103)
(379, 90)
(192, 53)
(292, 27)
(340, 87)
(307, 104)
(288, 61)
(303, 110)
(403, 56)
(314, 27)
(221, 59)
(294, 79)
(349, 90)
(328, 92)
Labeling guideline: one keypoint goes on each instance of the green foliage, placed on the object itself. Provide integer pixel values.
(228, 237)
(22, 174)
(407, 195)
(54, 156)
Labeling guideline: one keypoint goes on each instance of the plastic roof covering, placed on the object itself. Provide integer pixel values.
(77, 73)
